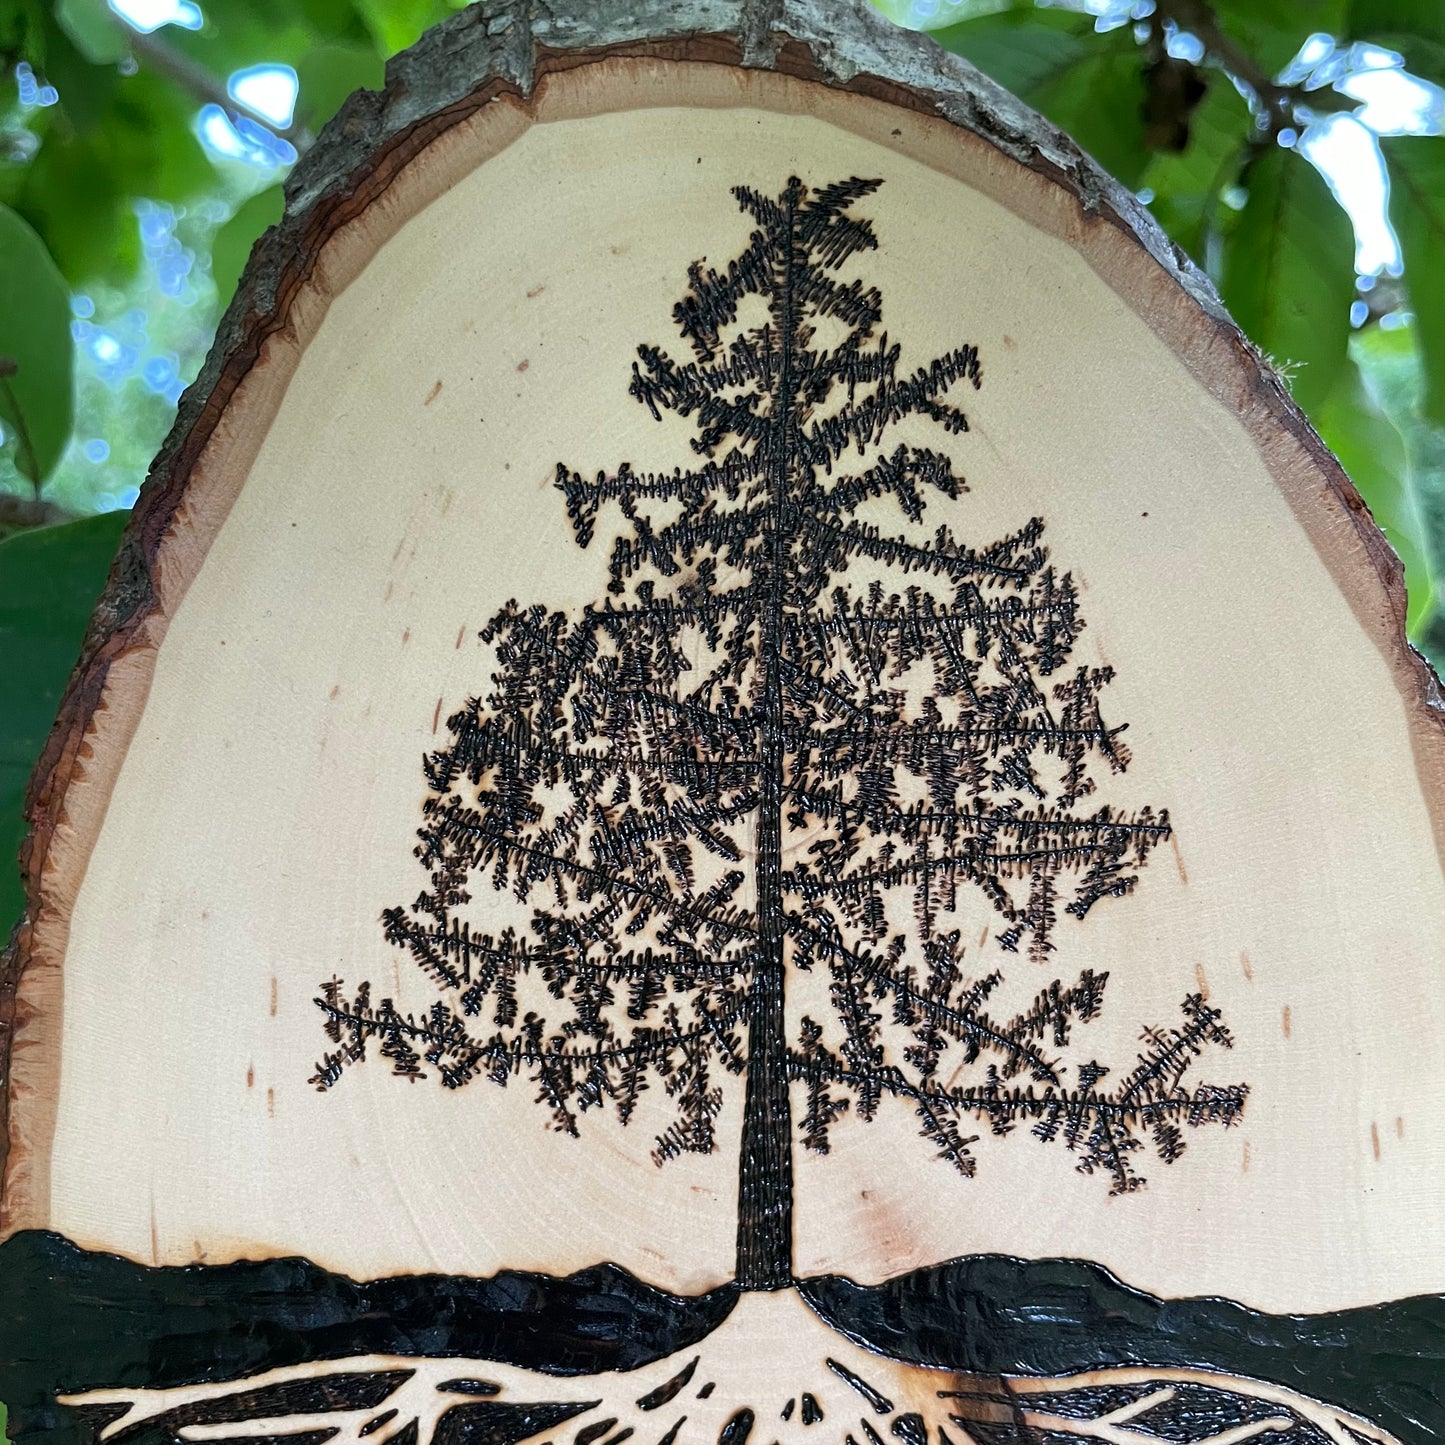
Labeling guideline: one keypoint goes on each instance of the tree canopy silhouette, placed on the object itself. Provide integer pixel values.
(789, 740)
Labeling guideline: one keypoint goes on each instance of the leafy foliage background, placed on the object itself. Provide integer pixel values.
(133, 182)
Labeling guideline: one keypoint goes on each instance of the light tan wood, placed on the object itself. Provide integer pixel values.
(247, 791)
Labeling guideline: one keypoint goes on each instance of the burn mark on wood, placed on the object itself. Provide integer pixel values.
(1179, 861)
(669, 1391)
(75, 1321)
(738, 1428)
(881, 1403)
(1185, 1413)
(752, 680)
(590, 1434)
(321, 1395)
(910, 1429)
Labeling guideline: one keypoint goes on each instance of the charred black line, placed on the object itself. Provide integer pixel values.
(881, 1403)
(670, 1389)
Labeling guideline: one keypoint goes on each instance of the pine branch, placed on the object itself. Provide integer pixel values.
(585, 499)
(862, 424)
(901, 475)
(864, 969)
(946, 558)
(1101, 1128)
(443, 1033)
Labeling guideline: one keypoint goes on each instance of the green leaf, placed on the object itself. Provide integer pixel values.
(1390, 362)
(49, 581)
(1090, 85)
(1272, 31)
(1187, 185)
(253, 21)
(1415, 28)
(327, 74)
(1417, 209)
(1100, 103)
(1289, 273)
(395, 24)
(22, 30)
(80, 190)
(1355, 427)
(335, 20)
(94, 29)
(232, 245)
(1022, 49)
(36, 399)
(74, 199)
(86, 89)
(1422, 17)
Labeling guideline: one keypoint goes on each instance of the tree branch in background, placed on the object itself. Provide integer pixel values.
(1274, 103)
(20, 514)
(196, 79)
(154, 53)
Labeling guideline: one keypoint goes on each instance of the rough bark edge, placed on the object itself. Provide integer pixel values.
(502, 47)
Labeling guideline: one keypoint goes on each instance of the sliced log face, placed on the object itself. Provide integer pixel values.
(733, 688)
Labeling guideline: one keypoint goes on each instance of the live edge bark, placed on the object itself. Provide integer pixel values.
(506, 48)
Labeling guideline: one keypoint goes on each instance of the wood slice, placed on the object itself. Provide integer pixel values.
(743, 772)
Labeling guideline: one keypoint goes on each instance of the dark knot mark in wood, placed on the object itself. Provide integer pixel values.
(783, 729)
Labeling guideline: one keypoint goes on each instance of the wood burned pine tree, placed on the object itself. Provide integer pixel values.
(791, 739)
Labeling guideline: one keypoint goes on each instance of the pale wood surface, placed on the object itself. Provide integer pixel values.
(247, 794)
